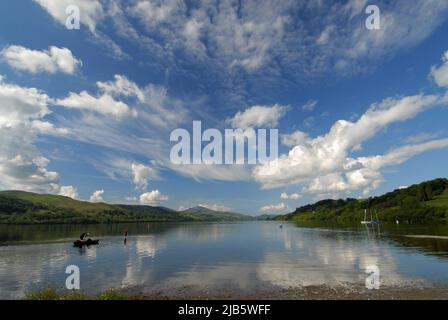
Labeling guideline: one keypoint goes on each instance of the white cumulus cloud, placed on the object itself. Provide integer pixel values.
(258, 116)
(292, 196)
(69, 191)
(324, 164)
(153, 102)
(47, 128)
(153, 198)
(52, 60)
(22, 113)
(440, 74)
(142, 174)
(293, 139)
(97, 196)
(274, 207)
(102, 103)
(91, 11)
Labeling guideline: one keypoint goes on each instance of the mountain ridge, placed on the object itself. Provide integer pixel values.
(204, 211)
(23, 207)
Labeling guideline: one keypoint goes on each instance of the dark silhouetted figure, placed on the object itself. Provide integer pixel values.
(84, 236)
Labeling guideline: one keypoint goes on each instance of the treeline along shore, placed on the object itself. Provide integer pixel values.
(426, 202)
(19, 207)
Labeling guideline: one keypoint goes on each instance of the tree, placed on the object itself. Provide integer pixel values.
(410, 202)
(428, 192)
(421, 194)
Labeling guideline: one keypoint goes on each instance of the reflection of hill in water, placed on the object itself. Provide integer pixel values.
(47, 233)
(402, 235)
(214, 257)
(429, 246)
(413, 237)
(202, 232)
(11, 234)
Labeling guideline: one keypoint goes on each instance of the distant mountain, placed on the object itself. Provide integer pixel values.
(31, 208)
(200, 210)
(266, 217)
(420, 203)
(209, 214)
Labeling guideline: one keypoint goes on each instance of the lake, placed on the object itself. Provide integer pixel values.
(209, 258)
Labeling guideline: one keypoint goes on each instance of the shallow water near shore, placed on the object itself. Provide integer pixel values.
(231, 259)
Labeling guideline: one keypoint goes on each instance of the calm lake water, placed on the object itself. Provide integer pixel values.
(219, 257)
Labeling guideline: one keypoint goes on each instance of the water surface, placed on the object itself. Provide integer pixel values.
(220, 257)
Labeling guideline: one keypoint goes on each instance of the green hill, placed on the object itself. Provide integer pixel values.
(420, 203)
(212, 215)
(31, 208)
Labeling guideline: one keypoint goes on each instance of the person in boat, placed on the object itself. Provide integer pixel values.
(85, 240)
(84, 236)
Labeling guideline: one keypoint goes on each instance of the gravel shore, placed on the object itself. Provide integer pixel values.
(310, 293)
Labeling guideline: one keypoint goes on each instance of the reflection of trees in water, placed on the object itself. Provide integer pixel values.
(427, 246)
(398, 235)
(145, 242)
(403, 236)
(164, 255)
(201, 231)
(19, 233)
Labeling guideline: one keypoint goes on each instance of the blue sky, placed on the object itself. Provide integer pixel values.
(88, 113)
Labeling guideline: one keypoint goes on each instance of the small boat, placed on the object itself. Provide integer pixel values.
(371, 221)
(88, 242)
(365, 221)
(377, 221)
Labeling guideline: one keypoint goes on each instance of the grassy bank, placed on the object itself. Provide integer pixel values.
(53, 294)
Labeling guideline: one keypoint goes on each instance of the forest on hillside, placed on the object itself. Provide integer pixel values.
(420, 203)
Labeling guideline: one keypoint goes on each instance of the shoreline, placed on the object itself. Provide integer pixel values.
(320, 292)
(315, 292)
